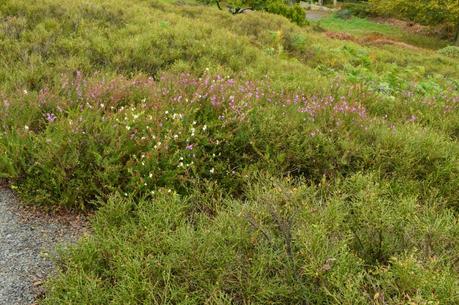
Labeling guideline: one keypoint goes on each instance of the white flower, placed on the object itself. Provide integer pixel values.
(166, 112)
(128, 127)
(212, 170)
(150, 175)
(175, 136)
(194, 122)
(25, 91)
(26, 127)
(204, 127)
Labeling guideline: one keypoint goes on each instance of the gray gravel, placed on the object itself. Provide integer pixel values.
(27, 244)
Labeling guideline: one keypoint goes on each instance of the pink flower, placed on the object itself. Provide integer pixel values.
(50, 117)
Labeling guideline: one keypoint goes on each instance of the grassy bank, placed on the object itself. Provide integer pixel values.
(232, 159)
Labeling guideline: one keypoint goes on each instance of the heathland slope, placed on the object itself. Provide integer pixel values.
(234, 159)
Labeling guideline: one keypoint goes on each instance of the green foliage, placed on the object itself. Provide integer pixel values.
(235, 159)
(450, 51)
(294, 12)
(427, 12)
(359, 9)
(365, 27)
(288, 243)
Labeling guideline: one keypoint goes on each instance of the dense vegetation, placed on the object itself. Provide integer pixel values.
(287, 8)
(233, 159)
(430, 12)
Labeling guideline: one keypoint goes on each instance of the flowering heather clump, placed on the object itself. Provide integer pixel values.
(170, 131)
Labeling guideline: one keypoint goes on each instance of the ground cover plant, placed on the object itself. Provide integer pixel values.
(233, 159)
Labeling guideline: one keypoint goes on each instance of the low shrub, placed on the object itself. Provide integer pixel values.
(135, 135)
(450, 51)
(358, 9)
(288, 243)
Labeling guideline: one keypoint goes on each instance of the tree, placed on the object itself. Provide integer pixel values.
(287, 8)
(429, 12)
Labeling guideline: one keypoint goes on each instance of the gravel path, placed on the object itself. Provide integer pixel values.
(28, 239)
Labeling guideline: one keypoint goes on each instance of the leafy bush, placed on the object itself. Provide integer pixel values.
(294, 13)
(354, 9)
(450, 51)
(426, 12)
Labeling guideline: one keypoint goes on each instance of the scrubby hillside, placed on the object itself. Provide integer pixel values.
(233, 159)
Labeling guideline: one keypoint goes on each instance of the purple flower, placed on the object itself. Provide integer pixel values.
(50, 117)
(189, 147)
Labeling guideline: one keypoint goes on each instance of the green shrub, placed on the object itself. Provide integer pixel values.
(450, 51)
(294, 13)
(235, 159)
(349, 10)
(135, 135)
(288, 243)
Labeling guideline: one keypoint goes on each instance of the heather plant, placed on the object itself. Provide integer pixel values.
(233, 159)
(287, 243)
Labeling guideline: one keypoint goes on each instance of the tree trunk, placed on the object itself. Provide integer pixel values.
(335, 2)
(321, 2)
